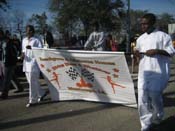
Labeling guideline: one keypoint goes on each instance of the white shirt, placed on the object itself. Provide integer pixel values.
(96, 41)
(29, 63)
(154, 71)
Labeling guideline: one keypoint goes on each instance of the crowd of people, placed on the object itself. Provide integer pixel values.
(10, 49)
(153, 48)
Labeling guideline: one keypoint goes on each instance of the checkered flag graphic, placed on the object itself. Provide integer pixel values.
(87, 74)
(72, 73)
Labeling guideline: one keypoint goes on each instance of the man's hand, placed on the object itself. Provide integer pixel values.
(22, 56)
(136, 53)
(28, 47)
(151, 52)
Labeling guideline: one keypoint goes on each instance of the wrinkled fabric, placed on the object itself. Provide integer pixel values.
(153, 76)
(29, 63)
(31, 69)
(154, 70)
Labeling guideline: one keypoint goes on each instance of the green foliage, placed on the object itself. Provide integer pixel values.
(39, 21)
(163, 21)
(135, 16)
(3, 4)
(85, 13)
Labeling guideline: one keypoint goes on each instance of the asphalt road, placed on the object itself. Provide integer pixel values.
(78, 115)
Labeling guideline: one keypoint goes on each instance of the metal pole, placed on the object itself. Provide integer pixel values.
(128, 27)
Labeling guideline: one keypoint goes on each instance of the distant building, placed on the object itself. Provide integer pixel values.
(171, 28)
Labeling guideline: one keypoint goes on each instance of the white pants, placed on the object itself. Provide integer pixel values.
(35, 91)
(150, 107)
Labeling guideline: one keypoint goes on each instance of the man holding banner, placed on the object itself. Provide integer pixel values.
(30, 66)
(154, 49)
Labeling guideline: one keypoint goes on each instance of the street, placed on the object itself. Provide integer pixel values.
(78, 115)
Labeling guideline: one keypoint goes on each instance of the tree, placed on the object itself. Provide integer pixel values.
(3, 4)
(85, 13)
(18, 20)
(163, 21)
(39, 21)
(135, 16)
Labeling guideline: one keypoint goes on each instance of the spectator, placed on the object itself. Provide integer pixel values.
(48, 38)
(173, 39)
(8, 34)
(1, 61)
(111, 45)
(96, 40)
(17, 43)
(74, 40)
(9, 60)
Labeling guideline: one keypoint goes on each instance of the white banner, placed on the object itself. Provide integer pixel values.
(88, 75)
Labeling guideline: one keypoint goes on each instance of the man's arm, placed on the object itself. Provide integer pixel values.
(89, 43)
(153, 52)
(101, 40)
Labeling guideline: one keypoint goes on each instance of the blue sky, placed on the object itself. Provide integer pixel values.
(29, 7)
(39, 6)
(155, 6)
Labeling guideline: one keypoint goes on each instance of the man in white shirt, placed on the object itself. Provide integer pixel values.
(154, 49)
(96, 40)
(30, 67)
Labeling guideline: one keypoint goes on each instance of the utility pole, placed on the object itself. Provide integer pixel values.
(128, 27)
(128, 46)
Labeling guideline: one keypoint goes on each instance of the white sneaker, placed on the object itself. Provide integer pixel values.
(145, 128)
(30, 104)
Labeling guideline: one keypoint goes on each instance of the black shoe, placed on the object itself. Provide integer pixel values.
(154, 127)
(4, 96)
(42, 97)
(18, 91)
